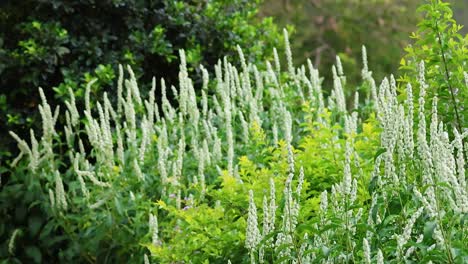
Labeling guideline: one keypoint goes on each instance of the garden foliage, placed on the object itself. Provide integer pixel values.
(261, 167)
(444, 50)
(59, 44)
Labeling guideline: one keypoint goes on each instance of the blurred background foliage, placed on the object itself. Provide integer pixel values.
(327, 28)
(324, 29)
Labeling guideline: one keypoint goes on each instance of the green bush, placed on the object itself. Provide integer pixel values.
(172, 164)
(443, 49)
(62, 45)
(262, 168)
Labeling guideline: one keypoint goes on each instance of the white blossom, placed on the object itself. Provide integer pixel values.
(252, 237)
(404, 238)
(60, 199)
(154, 230)
(146, 259)
(52, 198)
(366, 250)
(11, 242)
(288, 52)
(380, 258)
(71, 106)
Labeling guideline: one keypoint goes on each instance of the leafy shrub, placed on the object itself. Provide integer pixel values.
(61, 44)
(136, 181)
(416, 199)
(102, 196)
(443, 49)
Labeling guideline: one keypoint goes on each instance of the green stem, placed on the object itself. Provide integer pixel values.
(447, 79)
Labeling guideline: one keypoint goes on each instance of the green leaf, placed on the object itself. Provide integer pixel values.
(62, 51)
(429, 228)
(118, 206)
(379, 152)
(325, 251)
(47, 230)
(34, 224)
(34, 253)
